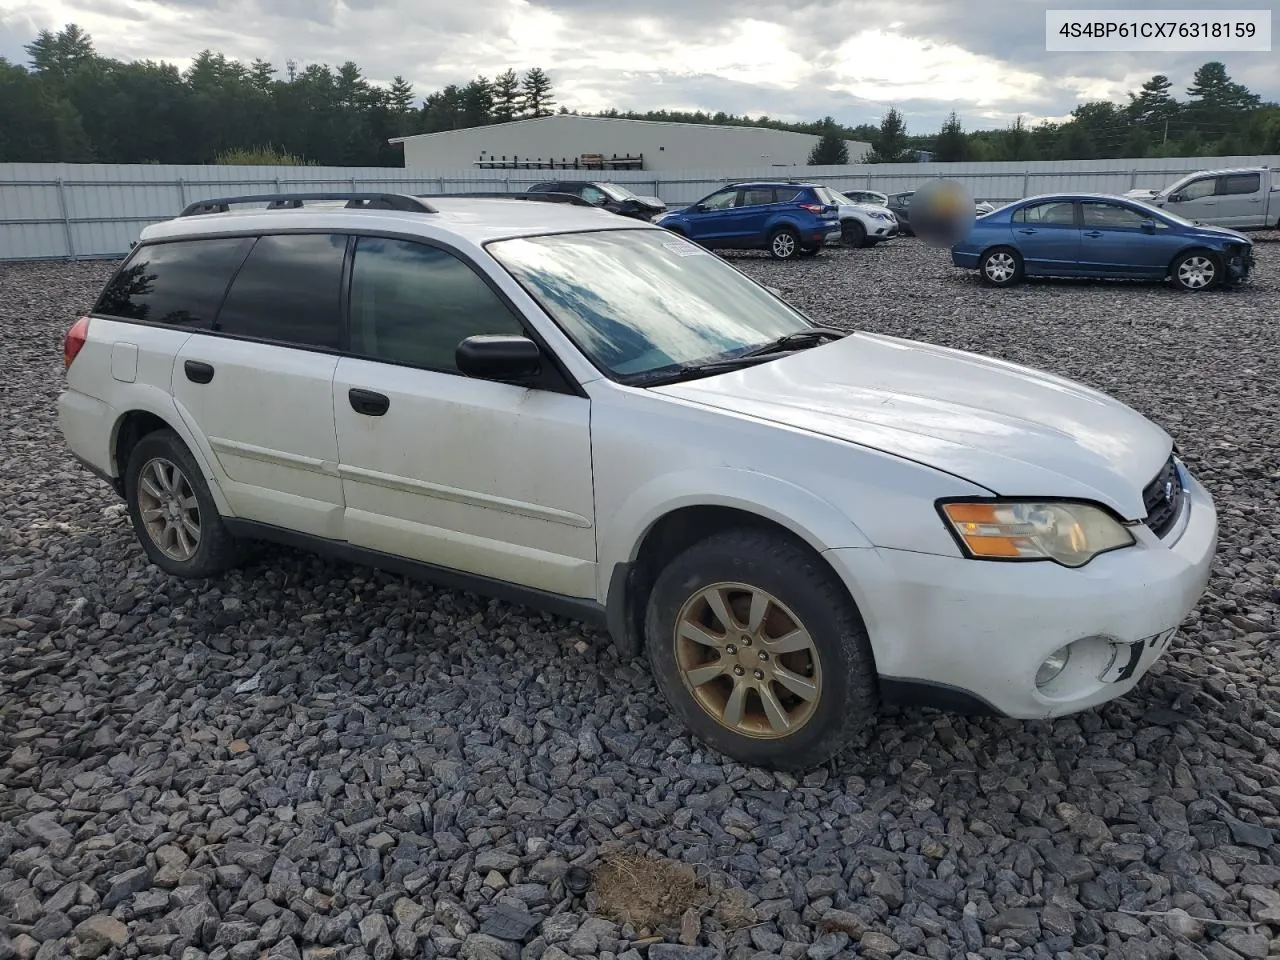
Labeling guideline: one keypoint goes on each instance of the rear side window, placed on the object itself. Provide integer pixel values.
(179, 283)
(757, 196)
(288, 291)
(788, 194)
(413, 304)
(1059, 213)
(1240, 183)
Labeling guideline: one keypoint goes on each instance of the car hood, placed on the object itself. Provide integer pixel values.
(1205, 230)
(652, 202)
(1008, 428)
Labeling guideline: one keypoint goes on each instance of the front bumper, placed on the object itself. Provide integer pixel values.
(970, 635)
(1241, 266)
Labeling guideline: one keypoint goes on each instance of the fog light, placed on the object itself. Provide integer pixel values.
(1053, 665)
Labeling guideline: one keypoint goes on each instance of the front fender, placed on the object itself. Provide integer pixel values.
(816, 521)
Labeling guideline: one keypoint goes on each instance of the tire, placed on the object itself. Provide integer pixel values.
(200, 546)
(1000, 267)
(1197, 270)
(784, 244)
(853, 233)
(802, 594)
(810, 251)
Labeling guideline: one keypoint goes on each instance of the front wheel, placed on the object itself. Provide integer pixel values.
(1001, 267)
(853, 233)
(1196, 270)
(758, 649)
(784, 244)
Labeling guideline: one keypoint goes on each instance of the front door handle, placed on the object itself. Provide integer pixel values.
(367, 402)
(1093, 233)
(1027, 230)
(198, 371)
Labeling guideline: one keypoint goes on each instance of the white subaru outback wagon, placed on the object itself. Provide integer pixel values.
(591, 415)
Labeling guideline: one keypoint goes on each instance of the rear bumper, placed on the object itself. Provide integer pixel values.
(968, 635)
(85, 423)
(968, 259)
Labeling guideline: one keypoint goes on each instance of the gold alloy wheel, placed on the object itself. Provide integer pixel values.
(169, 509)
(747, 660)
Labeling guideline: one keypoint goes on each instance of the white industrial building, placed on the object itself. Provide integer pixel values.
(613, 144)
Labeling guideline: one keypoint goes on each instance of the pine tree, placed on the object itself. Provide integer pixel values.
(506, 97)
(536, 91)
(830, 150)
(262, 74)
(400, 96)
(952, 144)
(889, 143)
(1212, 90)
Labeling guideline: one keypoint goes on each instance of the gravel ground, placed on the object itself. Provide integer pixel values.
(306, 759)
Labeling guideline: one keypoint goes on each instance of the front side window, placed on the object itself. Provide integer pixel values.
(1238, 183)
(288, 291)
(721, 201)
(1110, 216)
(757, 197)
(594, 195)
(1197, 189)
(179, 283)
(640, 304)
(413, 304)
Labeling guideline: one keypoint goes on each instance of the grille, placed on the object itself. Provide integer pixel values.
(1163, 499)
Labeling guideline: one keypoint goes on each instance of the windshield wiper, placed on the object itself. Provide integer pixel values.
(808, 337)
(811, 336)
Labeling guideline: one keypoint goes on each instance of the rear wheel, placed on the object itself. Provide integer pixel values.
(173, 513)
(1196, 270)
(758, 649)
(784, 244)
(1001, 267)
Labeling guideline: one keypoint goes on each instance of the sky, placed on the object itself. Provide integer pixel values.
(790, 59)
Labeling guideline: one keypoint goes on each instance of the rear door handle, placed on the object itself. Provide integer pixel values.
(198, 371)
(367, 402)
(1093, 233)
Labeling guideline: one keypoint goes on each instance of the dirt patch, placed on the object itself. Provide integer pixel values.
(653, 894)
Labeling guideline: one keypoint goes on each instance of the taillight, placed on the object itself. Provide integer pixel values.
(74, 340)
(813, 207)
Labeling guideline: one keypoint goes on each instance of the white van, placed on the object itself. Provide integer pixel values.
(1246, 198)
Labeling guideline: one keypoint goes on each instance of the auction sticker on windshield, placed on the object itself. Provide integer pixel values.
(683, 248)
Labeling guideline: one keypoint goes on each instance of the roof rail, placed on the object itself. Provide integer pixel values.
(570, 198)
(280, 201)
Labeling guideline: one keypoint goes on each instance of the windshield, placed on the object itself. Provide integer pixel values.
(827, 195)
(1159, 213)
(616, 192)
(641, 304)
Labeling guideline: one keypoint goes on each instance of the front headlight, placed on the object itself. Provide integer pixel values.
(1068, 533)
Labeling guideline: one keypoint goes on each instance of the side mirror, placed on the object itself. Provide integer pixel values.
(698, 208)
(1148, 225)
(501, 357)
(1175, 198)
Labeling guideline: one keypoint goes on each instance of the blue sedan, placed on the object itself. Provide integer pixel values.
(1097, 235)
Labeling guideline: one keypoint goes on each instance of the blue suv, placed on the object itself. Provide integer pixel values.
(787, 219)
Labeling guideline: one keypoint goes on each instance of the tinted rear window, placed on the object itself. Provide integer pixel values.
(288, 291)
(179, 283)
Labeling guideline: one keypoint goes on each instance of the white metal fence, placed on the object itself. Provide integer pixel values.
(56, 210)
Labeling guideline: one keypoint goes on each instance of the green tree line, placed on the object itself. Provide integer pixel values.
(70, 104)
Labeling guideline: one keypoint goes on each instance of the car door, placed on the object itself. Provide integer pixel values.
(1047, 236)
(752, 216)
(259, 386)
(491, 479)
(1125, 241)
(709, 219)
(1195, 200)
(1240, 200)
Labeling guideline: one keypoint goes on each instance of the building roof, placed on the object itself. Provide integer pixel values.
(577, 118)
